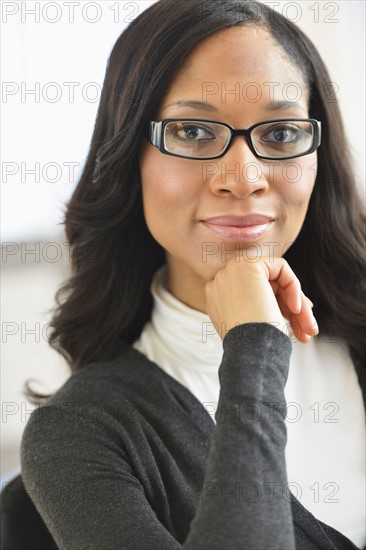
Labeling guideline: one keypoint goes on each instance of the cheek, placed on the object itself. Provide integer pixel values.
(297, 179)
(298, 185)
(168, 193)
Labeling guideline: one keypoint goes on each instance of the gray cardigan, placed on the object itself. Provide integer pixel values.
(123, 456)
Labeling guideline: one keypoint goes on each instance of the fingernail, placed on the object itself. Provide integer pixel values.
(315, 326)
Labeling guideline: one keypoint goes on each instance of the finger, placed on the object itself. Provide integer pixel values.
(277, 291)
(304, 324)
(303, 327)
(306, 318)
(289, 287)
(294, 324)
(299, 333)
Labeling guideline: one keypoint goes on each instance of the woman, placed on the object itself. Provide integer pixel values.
(190, 243)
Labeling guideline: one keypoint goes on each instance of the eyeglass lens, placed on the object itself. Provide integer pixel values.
(194, 139)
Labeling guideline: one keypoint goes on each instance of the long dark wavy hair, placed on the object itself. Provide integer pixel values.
(107, 300)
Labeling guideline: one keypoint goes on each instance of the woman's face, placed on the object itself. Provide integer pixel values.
(238, 76)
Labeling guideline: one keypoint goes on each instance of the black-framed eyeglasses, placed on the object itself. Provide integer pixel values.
(199, 139)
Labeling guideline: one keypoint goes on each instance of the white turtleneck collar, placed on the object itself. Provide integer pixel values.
(164, 340)
(172, 321)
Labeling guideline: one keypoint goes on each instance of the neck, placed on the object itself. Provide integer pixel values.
(186, 286)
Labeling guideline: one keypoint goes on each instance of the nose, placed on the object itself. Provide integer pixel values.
(239, 172)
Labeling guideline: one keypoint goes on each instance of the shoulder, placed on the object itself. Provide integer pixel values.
(100, 382)
(102, 396)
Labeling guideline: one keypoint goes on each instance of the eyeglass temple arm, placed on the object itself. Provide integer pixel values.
(319, 125)
(155, 133)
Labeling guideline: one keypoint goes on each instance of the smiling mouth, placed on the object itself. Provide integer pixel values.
(247, 233)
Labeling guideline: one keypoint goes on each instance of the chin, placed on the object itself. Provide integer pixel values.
(208, 270)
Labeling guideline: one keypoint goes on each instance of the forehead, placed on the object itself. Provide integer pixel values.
(240, 64)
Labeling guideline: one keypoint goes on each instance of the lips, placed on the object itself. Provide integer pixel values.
(239, 228)
(240, 221)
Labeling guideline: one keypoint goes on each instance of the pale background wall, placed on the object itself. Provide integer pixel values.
(54, 131)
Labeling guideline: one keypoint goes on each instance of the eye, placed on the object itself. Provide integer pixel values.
(284, 133)
(192, 132)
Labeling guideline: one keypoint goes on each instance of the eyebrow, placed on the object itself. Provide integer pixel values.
(281, 105)
(201, 105)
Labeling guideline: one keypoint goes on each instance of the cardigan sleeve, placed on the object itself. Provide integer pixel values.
(94, 501)
(243, 492)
